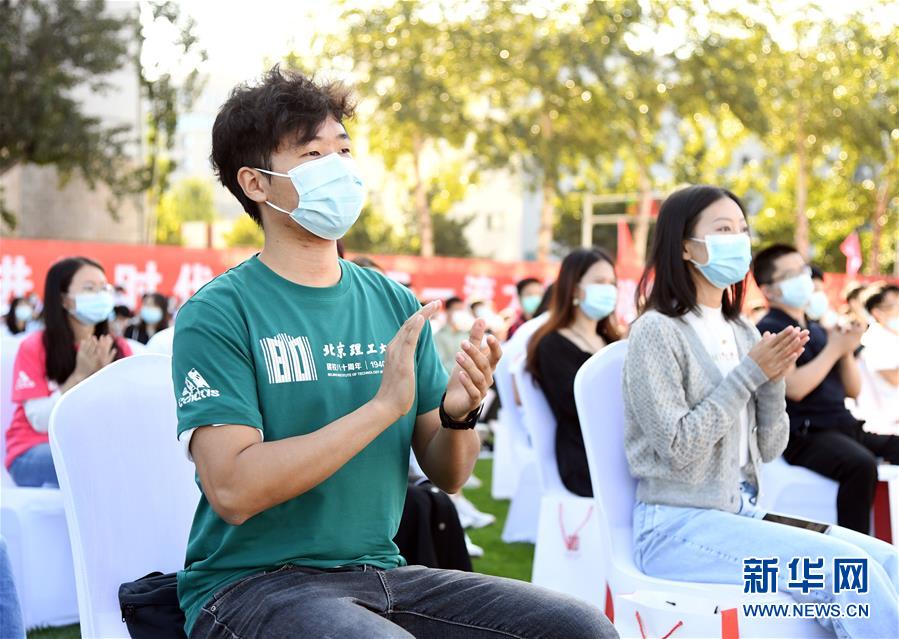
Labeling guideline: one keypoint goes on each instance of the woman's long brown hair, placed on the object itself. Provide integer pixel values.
(561, 307)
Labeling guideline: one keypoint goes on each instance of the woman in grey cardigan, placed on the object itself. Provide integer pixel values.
(704, 404)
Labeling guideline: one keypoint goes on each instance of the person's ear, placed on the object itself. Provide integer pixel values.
(686, 251)
(770, 291)
(250, 181)
(68, 302)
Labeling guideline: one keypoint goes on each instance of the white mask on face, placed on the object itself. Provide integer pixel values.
(331, 195)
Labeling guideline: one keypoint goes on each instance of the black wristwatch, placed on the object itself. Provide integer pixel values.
(467, 424)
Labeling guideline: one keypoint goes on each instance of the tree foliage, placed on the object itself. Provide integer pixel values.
(48, 52)
(190, 200)
(52, 50)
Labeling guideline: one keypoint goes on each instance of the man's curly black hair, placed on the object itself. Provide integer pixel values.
(255, 120)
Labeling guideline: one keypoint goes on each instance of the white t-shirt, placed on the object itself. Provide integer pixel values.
(879, 400)
(717, 335)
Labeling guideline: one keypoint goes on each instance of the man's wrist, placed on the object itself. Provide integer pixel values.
(467, 422)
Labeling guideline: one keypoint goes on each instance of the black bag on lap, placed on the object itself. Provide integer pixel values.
(150, 607)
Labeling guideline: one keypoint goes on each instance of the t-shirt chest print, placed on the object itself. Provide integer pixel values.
(291, 359)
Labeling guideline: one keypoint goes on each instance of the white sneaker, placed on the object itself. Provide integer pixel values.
(469, 515)
(473, 482)
(473, 549)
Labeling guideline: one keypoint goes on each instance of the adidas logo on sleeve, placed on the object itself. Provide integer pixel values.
(23, 382)
(195, 388)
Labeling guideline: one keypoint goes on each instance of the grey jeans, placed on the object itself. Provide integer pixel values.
(413, 601)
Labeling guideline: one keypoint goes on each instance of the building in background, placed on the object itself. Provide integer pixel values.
(72, 210)
(504, 217)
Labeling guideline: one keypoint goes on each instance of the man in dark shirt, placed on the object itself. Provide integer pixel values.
(824, 436)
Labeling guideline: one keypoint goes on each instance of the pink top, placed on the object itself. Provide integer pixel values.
(29, 380)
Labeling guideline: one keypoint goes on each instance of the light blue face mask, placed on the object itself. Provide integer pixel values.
(93, 308)
(817, 305)
(151, 314)
(24, 313)
(331, 195)
(893, 324)
(796, 292)
(529, 303)
(599, 300)
(729, 258)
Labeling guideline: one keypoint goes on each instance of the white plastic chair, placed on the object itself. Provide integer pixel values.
(512, 452)
(574, 572)
(34, 524)
(540, 423)
(161, 342)
(598, 394)
(797, 491)
(511, 449)
(128, 488)
(9, 346)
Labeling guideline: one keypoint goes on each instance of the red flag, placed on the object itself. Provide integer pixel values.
(852, 249)
(627, 256)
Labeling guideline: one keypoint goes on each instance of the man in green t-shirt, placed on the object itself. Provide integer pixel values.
(302, 381)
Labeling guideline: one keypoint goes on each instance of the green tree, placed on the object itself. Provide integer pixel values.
(47, 50)
(245, 232)
(168, 87)
(522, 63)
(409, 64)
(190, 200)
(51, 48)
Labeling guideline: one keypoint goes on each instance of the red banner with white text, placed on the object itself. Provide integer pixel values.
(180, 272)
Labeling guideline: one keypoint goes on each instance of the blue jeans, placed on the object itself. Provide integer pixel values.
(10, 613)
(34, 468)
(706, 545)
(409, 602)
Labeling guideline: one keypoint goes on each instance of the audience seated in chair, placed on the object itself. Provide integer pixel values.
(581, 322)
(74, 345)
(824, 435)
(302, 460)
(704, 407)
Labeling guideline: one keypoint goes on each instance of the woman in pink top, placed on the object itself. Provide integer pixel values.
(74, 345)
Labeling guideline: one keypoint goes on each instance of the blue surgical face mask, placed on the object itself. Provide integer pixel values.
(331, 195)
(893, 324)
(151, 314)
(93, 308)
(817, 305)
(797, 291)
(24, 313)
(529, 303)
(599, 300)
(729, 258)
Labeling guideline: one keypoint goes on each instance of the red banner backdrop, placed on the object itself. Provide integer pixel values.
(179, 272)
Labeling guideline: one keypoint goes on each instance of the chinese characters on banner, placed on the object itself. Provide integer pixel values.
(180, 272)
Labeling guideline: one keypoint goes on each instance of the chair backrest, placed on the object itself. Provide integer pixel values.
(128, 488)
(541, 425)
(514, 350)
(161, 342)
(9, 346)
(510, 411)
(600, 407)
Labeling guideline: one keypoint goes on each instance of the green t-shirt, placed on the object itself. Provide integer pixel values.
(253, 348)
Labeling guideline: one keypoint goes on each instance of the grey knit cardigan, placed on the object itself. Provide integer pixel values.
(682, 430)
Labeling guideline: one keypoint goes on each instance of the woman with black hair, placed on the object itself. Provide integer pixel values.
(704, 399)
(74, 345)
(154, 317)
(21, 312)
(581, 321)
